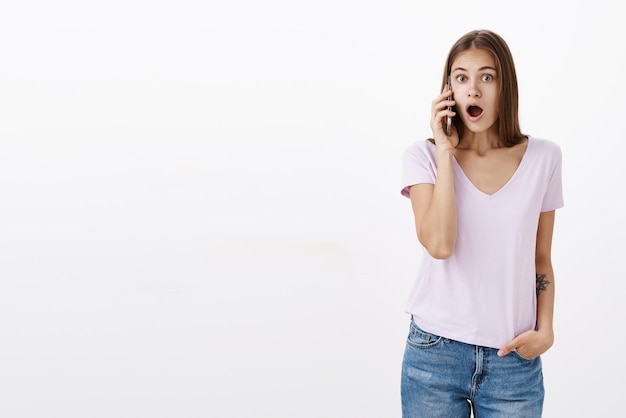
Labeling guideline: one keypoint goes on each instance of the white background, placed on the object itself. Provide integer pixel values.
(200, 207)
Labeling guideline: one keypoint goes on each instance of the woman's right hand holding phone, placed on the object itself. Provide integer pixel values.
(434, 206)
(441, 109)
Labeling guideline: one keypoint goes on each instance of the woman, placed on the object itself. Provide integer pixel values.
(483, 199)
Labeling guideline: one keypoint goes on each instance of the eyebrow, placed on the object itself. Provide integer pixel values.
(480, 69)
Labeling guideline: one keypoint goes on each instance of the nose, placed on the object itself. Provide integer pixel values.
(473, 90)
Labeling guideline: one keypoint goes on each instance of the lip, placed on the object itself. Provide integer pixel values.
(469, 115)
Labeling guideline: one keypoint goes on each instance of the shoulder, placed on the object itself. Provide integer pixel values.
(419, 164)
(423, 148)
(545, 157)
(544, 146)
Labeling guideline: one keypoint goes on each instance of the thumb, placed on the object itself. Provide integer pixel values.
(507, 348)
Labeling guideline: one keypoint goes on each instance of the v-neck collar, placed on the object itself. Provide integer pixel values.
(468, 182)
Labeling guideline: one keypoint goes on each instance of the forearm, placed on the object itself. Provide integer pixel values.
(543, 338)
(545, 298)
(438, 228)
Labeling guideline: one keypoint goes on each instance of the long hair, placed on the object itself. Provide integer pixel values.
(508, 116)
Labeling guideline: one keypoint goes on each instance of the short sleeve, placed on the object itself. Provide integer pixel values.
(553, 198)
(418, 165)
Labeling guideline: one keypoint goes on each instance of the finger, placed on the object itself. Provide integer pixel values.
(444, 100)
(443, 97)
(523, 352)
(444, 105)
(443, 114)
(508, 347)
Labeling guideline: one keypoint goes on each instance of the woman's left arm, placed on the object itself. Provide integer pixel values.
(545, 279)
(533, 343)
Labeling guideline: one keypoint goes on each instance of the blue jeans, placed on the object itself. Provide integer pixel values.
(447, 378)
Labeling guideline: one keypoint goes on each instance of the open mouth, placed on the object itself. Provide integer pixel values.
(474, 111)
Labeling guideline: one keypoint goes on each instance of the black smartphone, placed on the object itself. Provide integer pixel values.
(449, 119)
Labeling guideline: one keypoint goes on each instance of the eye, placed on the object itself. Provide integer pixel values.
(461, 78)
(487, 77)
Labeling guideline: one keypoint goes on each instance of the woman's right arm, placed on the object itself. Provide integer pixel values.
(434, 206)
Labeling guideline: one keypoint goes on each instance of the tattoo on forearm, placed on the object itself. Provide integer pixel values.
(542, 283)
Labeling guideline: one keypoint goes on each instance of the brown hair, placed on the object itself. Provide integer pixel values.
(508, 118)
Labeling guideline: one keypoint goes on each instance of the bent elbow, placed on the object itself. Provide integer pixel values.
(442, 251)
(439, 246)
(440, 254)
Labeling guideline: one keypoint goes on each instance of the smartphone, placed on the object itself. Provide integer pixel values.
(449, 119)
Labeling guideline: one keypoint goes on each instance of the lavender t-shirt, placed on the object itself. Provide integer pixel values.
(485, 293)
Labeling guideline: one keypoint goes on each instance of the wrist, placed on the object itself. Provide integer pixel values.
(546, 331)
(444, 155)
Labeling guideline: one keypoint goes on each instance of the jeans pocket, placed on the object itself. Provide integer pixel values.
(522, 357)
(419, 338)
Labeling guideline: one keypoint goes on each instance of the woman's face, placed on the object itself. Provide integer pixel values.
(476, 89)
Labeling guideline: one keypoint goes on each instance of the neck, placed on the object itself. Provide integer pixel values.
(480, 141)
